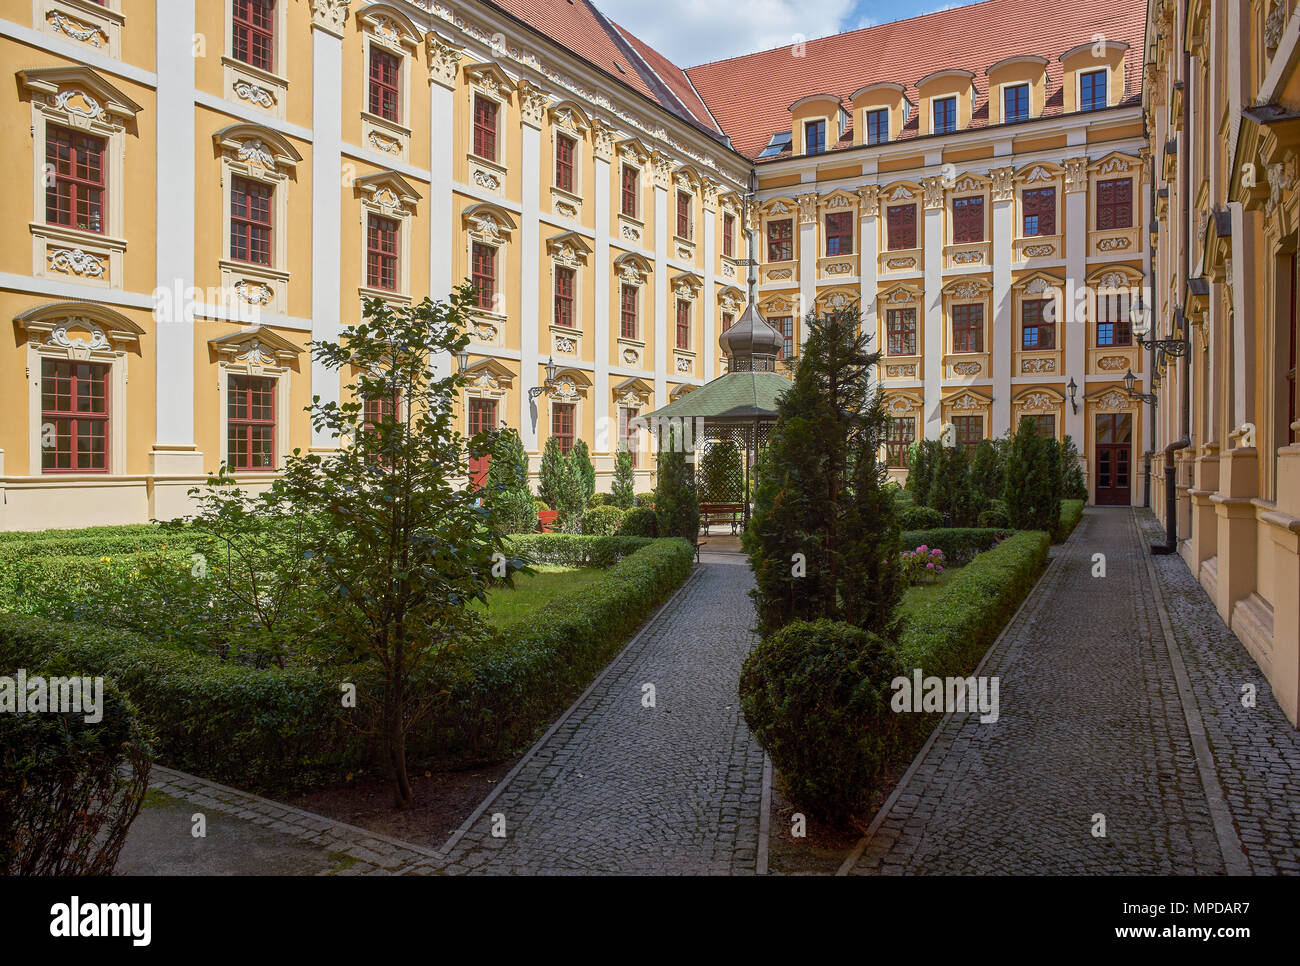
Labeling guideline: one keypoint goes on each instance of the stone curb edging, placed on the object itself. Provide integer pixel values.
(852, 859)
(1234, 857)
(447, 847)
(375, 849)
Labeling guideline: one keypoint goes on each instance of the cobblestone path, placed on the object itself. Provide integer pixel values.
(618, 787)
(1099, 716)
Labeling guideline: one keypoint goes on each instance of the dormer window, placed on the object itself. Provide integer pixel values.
(1092, 90)
(945, 115)
(1015, 103)
(878, 126)
(814, 133)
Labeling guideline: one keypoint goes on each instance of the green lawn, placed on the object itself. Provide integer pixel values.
(919, 596)
(506, 606)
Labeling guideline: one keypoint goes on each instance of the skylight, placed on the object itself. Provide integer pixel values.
(780, 141)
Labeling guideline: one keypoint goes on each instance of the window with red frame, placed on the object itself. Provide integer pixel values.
(900, 227)
(1037, 324)
(485, 127)
(564, 278)
(74, 416)
(728, 320)
(1043, 425)
(967, 220)
(839, 233)
(564, 162)
(381, 252)
(968, 328)
(1114, 327)
(250, 423)
(627, 434)
(898, 440)
(683, 214)
(250, 221)
(969, 430)
(785, 325)
(75, 192)
(1294, 314)
(1115, 204)
(482, 417)
(483, 273)
(729, 235)
(628, 314)
(379, 409)
(385, 71)
(630, 193)
(683, 324)
(1038, 207)
(900, 332)
(780, 240)
(562, 425)
(254, 32)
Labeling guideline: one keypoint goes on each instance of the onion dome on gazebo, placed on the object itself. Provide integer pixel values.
(752, 344)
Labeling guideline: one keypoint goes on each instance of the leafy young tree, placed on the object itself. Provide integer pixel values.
(823, 541)
(677, 506)
(403, 547)
(580, 457)
(622, 491)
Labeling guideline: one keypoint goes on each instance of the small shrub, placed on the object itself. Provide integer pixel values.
(960, 544)
(994, 516)
(541, 506)
(646, 500)
(602, 521)
(919, 518)
(621, 491)
(816, 695)
(1071, 514)
(639, 522)
(516, 510)
(922, 565)
(599, 499)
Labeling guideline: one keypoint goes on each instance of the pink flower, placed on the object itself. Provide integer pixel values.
(922, 548)
(929, 566)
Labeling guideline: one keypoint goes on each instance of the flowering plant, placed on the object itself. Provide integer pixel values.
(922, 565)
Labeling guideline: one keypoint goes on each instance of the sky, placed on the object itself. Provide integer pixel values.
(690, 32)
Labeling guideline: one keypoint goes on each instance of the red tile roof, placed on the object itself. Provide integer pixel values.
(672, 75)
(750, 95)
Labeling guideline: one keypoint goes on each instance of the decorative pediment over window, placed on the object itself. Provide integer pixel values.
(632, 268)
(1116, 165)
(632, 149)
(687, 178)
(258, 346)
(490, 79)
(968, 182)
(900, 191)
(780, 206)
(900, 294)
(488, 222)
(903, 403)
(839, 200)
(389, 191)
(569, 249)
(1111, 399)
(257, 147)
(775, 305)
(1041, 285)
(79, 327)
(390, 27)
(682, 390)
(730, 201)
(570, 385)
(1040, 174)
(731, 299)
(967, 399)
(569, 116)
(687, 285)
(633, 392)
(968, 289)
(489, 374)
(1112, 278)
(1039, 399)
(80, 93)
(837, 298)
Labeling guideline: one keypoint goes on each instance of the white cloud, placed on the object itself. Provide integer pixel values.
(690, 32)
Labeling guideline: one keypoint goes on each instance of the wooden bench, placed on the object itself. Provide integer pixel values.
(732, 513)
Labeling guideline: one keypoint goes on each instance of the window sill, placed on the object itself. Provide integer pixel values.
(245, 84)
(486, 173)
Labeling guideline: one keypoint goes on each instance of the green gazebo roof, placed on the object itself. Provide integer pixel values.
(734, 396)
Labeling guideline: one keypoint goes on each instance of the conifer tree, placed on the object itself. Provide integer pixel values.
(622, 492)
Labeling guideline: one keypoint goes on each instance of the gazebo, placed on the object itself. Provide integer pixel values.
(740, 406)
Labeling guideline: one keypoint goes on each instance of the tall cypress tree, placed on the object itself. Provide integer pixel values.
(823, 541)
(677, 505)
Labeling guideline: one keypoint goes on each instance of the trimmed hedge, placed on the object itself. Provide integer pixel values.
(1071, 514)
(950, 634)
(639, 522)
(284, 729)
(959, 544)
(602, 521)
(919, 518)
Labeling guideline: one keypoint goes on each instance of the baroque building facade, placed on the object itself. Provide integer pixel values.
(1222, 103)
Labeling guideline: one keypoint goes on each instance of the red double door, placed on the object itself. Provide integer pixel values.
(1114, 455)
(482, 418)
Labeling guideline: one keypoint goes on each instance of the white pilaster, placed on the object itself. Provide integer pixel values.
(1074, 331)
(1003, 324)
(326, 209)
(708, 349)
(174, 450)
(868, 259)
(663, 291)
(444, 58)
(602, 269)
(529, 267)
(932, 368)
(807, 262)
